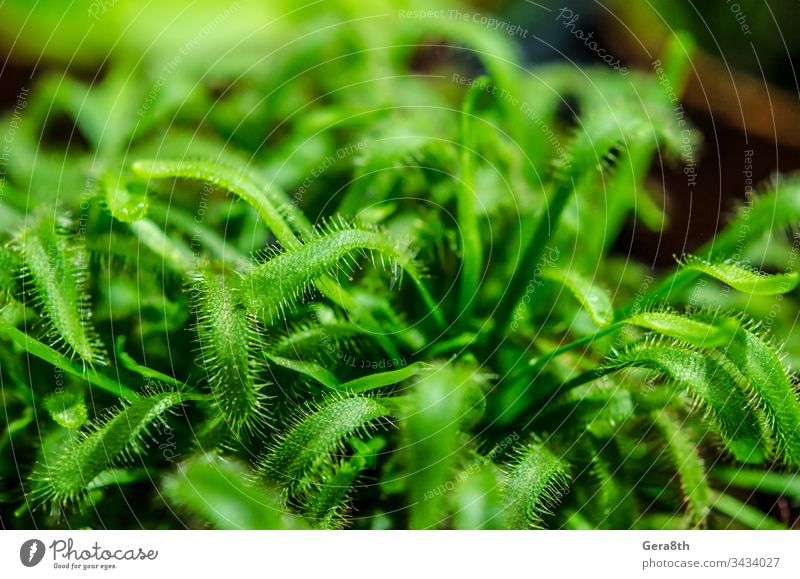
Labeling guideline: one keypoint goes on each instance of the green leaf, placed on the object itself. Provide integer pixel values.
(129, 363)
(468, 215)
(219, 491)
(10, 265)
(278, 284)
(108, 442)
(381, 379)
(616, 501)
(127, 202)
(325, 505)
(595, 300)
(712, 382)
(272, 205)
(56, 270)
(43, 352)
(175, 254)
(693, 331)
(355, 386)
(534, 486)
(114, 477)
(688, 464)
(229, 346)
(307, 368)
(323, 339)
(743, 278)
(764, 481)
(745, 514)
(304, 451)
(761, 373)
(433, 415)
(599, 136)
(67, 408)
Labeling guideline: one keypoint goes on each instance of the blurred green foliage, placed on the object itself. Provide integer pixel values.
(346, 266)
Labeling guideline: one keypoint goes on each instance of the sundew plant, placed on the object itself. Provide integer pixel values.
(344, 266)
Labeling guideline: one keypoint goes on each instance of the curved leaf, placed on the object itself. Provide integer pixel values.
(122, 435)
(742, 278)
(712, 383)
(229, 352)
(274, 208)
(595, 300)
(535, 484)
(56, 270)
(277, 284)
(306, 447)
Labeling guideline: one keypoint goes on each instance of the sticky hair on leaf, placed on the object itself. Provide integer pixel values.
(326, 503)
(760, 372)
(711, 381)
(534, 485)
(304, 451)
(55, 276)
(688, 328)
(688, 464)
(106, 442)
(67, 409)
(744, 278)
(10, 265)
(229, 343)
(279, 283)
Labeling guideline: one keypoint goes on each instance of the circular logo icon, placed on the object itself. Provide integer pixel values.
(31, 553)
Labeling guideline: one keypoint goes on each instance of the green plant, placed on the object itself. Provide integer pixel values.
(238, 305)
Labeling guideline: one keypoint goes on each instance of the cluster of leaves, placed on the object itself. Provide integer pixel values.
(383, 308)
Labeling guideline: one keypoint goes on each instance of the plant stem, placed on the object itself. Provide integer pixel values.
(471, 247)
(545, 228)
(86, 373)
(742, 512)
(543, 361)
(589, 376)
